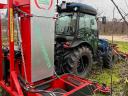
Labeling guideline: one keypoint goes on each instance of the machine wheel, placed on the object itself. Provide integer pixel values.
(107, 60)
(79, 61)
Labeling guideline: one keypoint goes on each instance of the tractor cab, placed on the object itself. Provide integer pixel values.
(76, 29)
(76, 20)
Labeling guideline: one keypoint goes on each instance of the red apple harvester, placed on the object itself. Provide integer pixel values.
(28, 70)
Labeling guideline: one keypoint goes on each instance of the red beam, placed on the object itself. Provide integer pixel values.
(3, 6)
(7, 88)
(11, 36)
(26, 42)
(1, 70)
(21, 2)
(16, 83)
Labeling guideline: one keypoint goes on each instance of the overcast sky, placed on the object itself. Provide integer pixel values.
(3, 1)
(104, 6)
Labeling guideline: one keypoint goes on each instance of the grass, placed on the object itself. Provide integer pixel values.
(105, 75)
(123, 46)
(0, 91)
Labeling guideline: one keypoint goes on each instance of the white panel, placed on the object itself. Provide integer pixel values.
(42, 35)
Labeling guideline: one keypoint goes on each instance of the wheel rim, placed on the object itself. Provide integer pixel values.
(82, 65)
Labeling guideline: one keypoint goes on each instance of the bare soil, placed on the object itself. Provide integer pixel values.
(123, 38)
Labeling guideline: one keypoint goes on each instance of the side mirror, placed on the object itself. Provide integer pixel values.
(104, 20)
(63, 5)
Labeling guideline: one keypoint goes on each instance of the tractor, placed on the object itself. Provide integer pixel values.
(77, 43)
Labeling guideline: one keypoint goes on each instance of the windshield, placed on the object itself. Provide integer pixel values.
(87, 24)
(66, 23)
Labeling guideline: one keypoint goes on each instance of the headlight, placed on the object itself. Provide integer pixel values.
(75, 8)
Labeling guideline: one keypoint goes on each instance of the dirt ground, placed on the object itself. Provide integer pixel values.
(123, 38)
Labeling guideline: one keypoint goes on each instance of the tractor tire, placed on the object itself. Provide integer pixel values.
(79, 61)
(107, 60)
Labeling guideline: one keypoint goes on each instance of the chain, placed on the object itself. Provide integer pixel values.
(31, 15)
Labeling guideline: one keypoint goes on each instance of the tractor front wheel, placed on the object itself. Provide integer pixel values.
(107, 60)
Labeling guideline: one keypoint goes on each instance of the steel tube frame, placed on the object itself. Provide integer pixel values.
(11, 37)
(14, 89)
(1, 72)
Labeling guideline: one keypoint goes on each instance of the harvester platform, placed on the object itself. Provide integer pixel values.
(68, 85)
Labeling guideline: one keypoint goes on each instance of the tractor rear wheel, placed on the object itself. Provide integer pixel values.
(79, 61)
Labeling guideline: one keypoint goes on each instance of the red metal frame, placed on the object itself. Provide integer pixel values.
(3, 6)
(11, 38)
(26, 41)
(14, 89)
(1, 72)
(116, 51)
(21, 2)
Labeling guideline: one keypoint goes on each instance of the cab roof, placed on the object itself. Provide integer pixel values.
(83, 8)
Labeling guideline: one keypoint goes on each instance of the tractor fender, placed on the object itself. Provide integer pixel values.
(104, 45)
(80, 42)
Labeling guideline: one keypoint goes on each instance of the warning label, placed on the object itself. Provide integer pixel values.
(44, 4)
